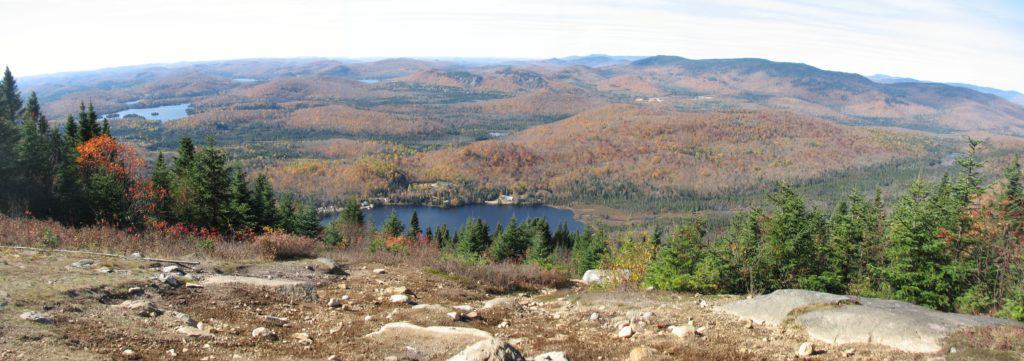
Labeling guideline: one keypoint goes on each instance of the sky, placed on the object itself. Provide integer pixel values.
(971, 41)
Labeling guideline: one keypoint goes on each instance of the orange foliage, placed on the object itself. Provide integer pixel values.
(103, 152)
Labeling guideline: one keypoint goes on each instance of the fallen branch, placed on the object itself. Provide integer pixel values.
(101, 254)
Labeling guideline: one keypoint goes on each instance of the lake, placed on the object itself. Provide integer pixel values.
(163, 114)
(369, 81)
(454, 217)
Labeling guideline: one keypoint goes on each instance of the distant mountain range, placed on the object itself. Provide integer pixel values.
(1011, 95)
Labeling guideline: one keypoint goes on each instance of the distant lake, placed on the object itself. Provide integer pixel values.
(369, 81)
(454, 217)
(163, 114)
(244, 80)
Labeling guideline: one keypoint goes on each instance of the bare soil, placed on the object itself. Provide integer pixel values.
(89, 325)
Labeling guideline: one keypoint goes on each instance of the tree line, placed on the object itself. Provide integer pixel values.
(79, 174)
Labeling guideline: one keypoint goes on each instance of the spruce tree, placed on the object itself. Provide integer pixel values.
(352, 213)
(414, 226)
(10, 98)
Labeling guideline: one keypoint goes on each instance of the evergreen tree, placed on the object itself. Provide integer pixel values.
(677, 265)
(393, 226)
(10, 107)
(442, 237)
(587, 250)
(87, 126)
(473, 238)
(71, 131)
(562, 238)
(414, 226)
(10, 98)
(511, 243)
(921, 265)
(240, 215)
(264, 203)
(792, 236)
(746, 259)
(34, 160)
(352, 213)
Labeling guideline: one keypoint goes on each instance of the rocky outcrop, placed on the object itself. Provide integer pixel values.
(837, 319)
(492, 349)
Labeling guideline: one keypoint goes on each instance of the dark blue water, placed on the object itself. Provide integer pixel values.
(163, 114)
(454, 217)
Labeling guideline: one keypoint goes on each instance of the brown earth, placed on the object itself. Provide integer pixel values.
(89, 324)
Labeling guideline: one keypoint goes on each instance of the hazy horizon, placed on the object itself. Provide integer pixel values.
(943, 41)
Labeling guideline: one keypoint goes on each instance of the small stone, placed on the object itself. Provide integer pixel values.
(379, 271)
(128, 353)
(595, 316)
(135, 290)
(105, 270)
(805, 349)
(749, 325)
(171, 269)
(192, 331)
(642, 353)
(368, 318)
(343, 286)
(345, 298)
(952, 350)
(37, 317)
(169, 279)
(399, 299)
(172, 353)
(463, 308)
(334, 303)
(551, 356)
(302, 338)
(83, 263)
(263, 332)
(472, 315)
(332, 358)
(280, 321)
(848, 352)
(135, 255)
(625, 332)
(400, 290)
(683, 331)
(142, 308)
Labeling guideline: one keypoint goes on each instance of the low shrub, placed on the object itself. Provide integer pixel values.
(283, 246)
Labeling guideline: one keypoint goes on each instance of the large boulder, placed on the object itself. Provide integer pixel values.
(838, 319)
(489, 350)
(601, 277)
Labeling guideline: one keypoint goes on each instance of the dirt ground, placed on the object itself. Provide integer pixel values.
(89, 321)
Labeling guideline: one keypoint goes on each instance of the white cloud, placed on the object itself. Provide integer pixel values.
(966, 41)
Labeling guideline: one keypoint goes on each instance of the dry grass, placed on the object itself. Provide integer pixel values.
(282, 246)
(50, 234)
(496, 278)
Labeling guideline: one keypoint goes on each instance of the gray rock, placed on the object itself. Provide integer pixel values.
(773, 308)
(642, 353)
(37, 317)
(805, 349)
(840, 319)
(192, 331)
(328, 266)
(142, 308)
(169, 279)
(489, 350)
(83, 263)
(399, 299)
(334, 303)
(896, 324)
(500, 302)
(172, 269)
(264, 333)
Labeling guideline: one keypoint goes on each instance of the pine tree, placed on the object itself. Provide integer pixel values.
(10, 107)
(442, 237)
(240, 215)
(587, 250)
(264, 203)
(87, 126)
(473, 238)
(71, 131)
